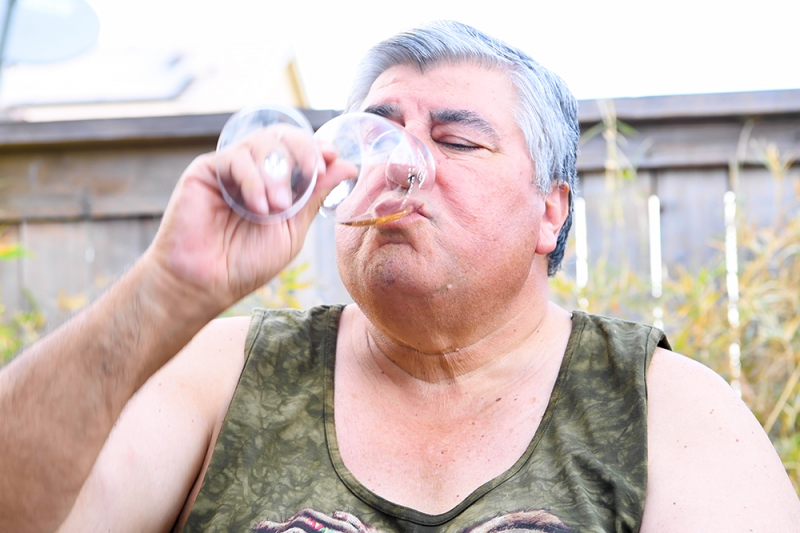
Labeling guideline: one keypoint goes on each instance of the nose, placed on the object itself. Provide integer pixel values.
(421, 132)
(411, 164)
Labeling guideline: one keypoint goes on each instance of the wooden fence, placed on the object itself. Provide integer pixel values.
(84, 198)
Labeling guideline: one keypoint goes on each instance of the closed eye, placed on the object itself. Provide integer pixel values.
(460, 147)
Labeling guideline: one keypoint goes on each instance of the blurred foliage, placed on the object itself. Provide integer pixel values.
(20, 328)
(696, 310)
(280, 293)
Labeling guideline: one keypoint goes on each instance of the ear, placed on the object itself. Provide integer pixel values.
(556, 210)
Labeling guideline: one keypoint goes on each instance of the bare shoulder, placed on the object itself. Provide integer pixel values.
(146, 470)
(711, 466)
(204, 374)
(213, 357)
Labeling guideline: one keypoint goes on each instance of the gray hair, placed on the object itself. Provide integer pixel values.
(547, 113)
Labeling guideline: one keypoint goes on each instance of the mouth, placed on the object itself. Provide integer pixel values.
(390, 211)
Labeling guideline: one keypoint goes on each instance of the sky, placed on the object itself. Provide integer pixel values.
(602, 48)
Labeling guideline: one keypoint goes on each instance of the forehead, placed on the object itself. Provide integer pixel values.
(486, 90)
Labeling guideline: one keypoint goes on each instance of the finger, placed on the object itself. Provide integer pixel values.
(274, 163)
(253, 191)
(290, 160)
(241, 179)
(277, 168)
(333, 171)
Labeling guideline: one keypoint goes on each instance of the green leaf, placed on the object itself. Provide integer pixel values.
(12, 251)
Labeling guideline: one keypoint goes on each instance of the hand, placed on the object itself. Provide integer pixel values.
(285, 155)
(215, 254)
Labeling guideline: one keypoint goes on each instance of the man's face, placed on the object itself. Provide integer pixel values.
(477, 233)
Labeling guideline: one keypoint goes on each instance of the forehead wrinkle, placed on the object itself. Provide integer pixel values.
(464, 117)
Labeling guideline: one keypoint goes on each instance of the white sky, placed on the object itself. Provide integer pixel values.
(610, 48)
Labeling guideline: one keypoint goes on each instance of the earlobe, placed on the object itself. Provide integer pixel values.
(556, 210)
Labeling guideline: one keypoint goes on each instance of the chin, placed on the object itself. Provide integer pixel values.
(388, 274)
(392, 272)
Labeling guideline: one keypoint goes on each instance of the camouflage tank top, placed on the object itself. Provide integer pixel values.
(276, 465)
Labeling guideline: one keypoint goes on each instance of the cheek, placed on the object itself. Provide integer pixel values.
(491, 213)
(503, 232)
(496, 188)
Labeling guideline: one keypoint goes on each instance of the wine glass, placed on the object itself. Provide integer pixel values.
(390, 170)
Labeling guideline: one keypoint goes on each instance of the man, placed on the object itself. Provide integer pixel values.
(453, 396)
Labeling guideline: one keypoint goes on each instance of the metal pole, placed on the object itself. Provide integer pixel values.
(4, 37)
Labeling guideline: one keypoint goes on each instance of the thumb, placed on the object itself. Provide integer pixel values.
(332, 172)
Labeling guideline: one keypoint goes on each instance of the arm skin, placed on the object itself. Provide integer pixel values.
(146, 469)
(711, 466)
(60, 399)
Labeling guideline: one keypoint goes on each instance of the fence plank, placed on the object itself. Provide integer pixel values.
(763, 200)
(56, 272)
(688, 106)
(114, 245)
(692, 223)
(114, 131)
(693, 144)
(617, 221)
(74, 184)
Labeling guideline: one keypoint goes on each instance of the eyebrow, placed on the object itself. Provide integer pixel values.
(388, 110)
(464, 117)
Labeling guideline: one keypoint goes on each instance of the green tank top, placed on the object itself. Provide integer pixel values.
(276, 465)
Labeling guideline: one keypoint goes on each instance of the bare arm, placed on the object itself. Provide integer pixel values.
(147, 467)
(711, 466)
(59, 401)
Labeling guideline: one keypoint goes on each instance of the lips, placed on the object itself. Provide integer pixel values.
(409, 207)
(390, 205)
(389, 210)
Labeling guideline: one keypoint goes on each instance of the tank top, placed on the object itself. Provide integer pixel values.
(276, 464)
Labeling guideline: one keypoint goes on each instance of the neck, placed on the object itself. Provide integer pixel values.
(518, 346)
(441, 335)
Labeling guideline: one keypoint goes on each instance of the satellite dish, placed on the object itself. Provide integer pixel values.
(43, 31)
